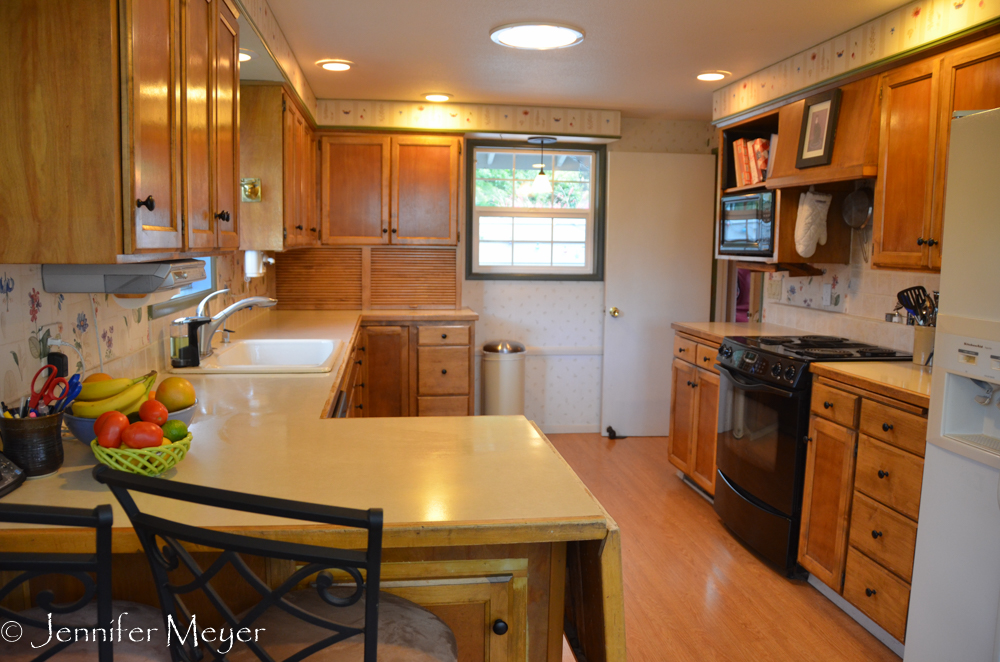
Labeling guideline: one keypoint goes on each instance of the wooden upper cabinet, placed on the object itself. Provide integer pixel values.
(155, 120)
(226, 116)
(970, 80)
(826, 501)
(425, 190)
(855, 144)
(295, 231)
(197, 20)
(354, 184)
(904, 195)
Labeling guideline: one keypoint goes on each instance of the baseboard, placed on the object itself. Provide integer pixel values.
(569, 429)
(857, 615)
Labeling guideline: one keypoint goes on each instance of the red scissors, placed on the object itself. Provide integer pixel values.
(46, 395)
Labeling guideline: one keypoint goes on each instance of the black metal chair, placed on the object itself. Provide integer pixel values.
(296, 624)
(89, 618)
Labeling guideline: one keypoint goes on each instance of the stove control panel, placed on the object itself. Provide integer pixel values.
(763, 366)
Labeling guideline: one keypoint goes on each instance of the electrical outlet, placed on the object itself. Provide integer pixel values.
(827, 294)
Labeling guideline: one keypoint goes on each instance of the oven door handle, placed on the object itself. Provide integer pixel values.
(741, 384)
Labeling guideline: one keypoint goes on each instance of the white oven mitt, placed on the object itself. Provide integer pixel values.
(810, 223)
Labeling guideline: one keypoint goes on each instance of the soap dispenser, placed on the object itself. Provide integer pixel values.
(184, 349)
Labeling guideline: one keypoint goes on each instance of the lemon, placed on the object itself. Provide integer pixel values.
(174, 430)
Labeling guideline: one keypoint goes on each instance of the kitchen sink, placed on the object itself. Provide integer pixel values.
(272, 356)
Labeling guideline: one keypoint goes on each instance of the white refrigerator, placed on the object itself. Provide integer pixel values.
(956, 573)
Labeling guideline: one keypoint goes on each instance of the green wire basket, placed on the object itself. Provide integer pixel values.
(151, 461)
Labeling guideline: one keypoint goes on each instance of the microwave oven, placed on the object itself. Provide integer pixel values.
(746, 224)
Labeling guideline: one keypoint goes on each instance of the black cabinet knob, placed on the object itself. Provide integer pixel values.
(444, 371)
(298, 227)
(358, 361)
(361, 385)
(689, 382)
(394, 230)
(883, 474)
(681, 350)
(886, 427)
(385, 231)
(921, 241)
(312, 229)
(361, 348)
(706, 358)
(499, 627)
(808, 439)
(148, 203)
(694, 384)
(827, 405)
(932, 242)
(443, 336)
(876, 534)
(870, 592)
(223, 216)
(360, 406)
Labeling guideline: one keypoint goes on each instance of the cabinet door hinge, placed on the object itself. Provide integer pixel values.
(880, 92)
(284, 104)
(460, 149)
(284, 234)
(855, 450)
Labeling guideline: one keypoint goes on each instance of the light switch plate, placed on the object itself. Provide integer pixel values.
(827, 294)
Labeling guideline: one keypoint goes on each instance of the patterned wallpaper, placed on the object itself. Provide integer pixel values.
(129, 342)
(346, 113)
(562, 322)
(871, 293)
(909, 27)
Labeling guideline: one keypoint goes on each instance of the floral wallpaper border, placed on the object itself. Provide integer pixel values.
(907, 28)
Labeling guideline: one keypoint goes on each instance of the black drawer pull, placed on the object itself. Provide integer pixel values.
(886, 427)
(444, 371)
(883, 474)
(444, 336)
(223, 216)
(499, 627)
(385, 231)
(148, 203)
(808, 439)
(827, 405)
(876, 534)
(706, 358)
(361, 385)
(361, 407)
(358, 362)
(681, 350)
(870, 592)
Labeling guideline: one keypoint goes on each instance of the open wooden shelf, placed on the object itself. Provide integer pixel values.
(759, 186)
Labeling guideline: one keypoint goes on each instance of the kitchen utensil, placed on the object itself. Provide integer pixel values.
(986, 397)
(151, 461)
(857, 210)
(913, 299)
(34, 444)
(70, 393)
(47, 395)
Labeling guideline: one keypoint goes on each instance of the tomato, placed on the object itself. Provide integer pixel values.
(152, 411)
(142, 435)
(109, 428)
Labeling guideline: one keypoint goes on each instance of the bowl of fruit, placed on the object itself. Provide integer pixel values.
(149, 446)
(101, 394)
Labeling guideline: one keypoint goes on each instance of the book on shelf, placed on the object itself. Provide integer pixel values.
(739, 160)
(755, 177)
(761, 159)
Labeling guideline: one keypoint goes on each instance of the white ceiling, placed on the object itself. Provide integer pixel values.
(260, 66)
(639, 56)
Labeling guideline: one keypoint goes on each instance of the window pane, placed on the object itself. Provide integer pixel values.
(571, 195)
(527, 165)
(494, 165)
(526, 197)
(569, 229)
(532, 254)
(533, 229)
(572, 168)
(494, 193)
(495, 228)
(494, 253)
(569, 255)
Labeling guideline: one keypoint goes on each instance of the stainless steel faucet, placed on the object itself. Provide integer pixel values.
(209, 330)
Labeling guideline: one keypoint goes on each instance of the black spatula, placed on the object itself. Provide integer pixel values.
(913, 299)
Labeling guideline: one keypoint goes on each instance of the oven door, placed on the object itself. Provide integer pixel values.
(761, 454)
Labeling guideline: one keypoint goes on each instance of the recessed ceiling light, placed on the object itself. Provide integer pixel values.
(536, 36)
(246, 54)
(437, 98)
(718, 74)
(335, 65)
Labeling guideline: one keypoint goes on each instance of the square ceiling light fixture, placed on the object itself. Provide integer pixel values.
(536, 36)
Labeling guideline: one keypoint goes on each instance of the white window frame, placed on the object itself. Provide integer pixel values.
(590, 267)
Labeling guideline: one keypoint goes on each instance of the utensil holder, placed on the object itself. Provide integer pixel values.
(34, 444)
(923, 344)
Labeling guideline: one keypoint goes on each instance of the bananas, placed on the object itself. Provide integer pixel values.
(101, 390)
(125, 400)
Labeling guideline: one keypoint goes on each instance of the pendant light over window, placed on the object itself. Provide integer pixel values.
(542, 185)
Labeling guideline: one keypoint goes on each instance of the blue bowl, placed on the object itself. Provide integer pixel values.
(83, 428)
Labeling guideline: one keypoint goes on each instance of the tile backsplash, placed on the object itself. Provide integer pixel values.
(127, 340)
(869, 294)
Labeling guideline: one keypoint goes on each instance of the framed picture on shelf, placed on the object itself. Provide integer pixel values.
(819, 124)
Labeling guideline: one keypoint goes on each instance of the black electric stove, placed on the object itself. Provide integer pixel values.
(763, 433)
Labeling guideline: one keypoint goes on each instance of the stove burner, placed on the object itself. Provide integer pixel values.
(775, 340)
(876, 351)
(824, 339)
(827, 353)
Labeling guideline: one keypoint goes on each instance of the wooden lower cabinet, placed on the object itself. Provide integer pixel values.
(826, 500)
(387, 353)
(862, 498)
(696, 393)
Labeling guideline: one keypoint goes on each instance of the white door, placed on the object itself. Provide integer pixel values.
(658, 270)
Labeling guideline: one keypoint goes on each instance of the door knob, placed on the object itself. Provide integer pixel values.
(614, 312)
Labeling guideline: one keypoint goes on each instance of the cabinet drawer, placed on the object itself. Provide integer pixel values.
(884, 535)
(443, 405)
(685, 349)
(889, 475)
(833, 404)
(443, 335)
(894, 426)
(877, 592)
(442, 371)
(705, 357)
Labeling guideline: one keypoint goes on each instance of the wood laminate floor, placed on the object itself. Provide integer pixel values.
(692, 591)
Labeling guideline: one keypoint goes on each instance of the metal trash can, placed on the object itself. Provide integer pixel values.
(503, 378)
